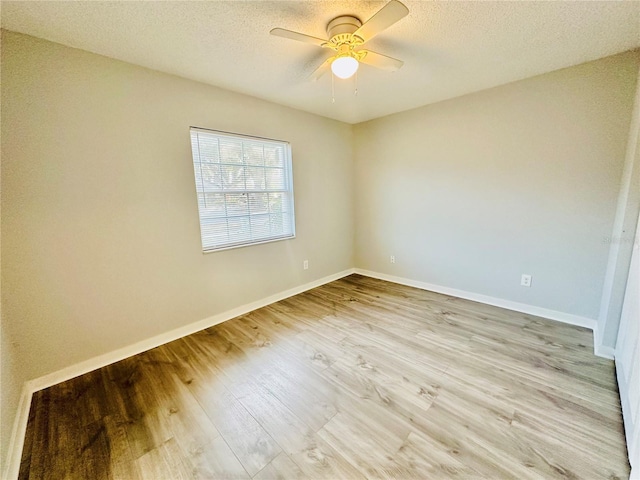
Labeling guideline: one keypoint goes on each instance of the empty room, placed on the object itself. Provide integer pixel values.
(320, 240)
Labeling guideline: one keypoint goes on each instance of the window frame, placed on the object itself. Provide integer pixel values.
(288, 187)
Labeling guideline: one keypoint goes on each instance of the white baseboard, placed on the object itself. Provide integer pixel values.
(498, 302)
(16, 442)
(34, 385)
(600, 349)
(604, 351)
(144, 345)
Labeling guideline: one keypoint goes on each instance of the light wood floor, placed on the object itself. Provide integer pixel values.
(358, 378)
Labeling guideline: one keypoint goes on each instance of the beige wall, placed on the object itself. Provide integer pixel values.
(100, 234)
(12, 376)
(472, 192)
(100, 237)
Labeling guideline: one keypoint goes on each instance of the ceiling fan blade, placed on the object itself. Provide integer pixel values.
(300, 37)
(322, 69)
(380, 61)
(383, 19)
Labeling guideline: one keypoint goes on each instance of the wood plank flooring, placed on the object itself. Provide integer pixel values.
(359, 378)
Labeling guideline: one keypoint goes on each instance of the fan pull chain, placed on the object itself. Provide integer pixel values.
(355, 92)
(333, 89)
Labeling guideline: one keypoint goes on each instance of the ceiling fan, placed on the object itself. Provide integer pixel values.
(346, 35)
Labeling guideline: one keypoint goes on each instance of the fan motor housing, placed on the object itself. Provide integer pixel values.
(343, 26)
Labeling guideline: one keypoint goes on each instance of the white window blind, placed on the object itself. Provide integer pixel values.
(244, 187)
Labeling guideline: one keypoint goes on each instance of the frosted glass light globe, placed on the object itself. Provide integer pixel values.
(344, 67)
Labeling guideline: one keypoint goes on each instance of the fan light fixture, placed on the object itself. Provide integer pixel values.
(344, 67)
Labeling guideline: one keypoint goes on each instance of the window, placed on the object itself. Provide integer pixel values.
(244, 187)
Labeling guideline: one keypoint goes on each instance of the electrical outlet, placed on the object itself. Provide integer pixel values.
(525, 281)
(305, 265)
(393, 259)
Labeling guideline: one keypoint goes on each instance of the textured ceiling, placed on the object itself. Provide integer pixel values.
(449, 48)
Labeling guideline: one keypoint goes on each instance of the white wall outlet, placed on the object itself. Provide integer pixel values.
(392, 259)
(305, 265)
(525, 281)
